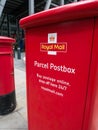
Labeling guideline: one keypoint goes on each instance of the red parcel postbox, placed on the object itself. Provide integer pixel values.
(62, 67)
(7, 87)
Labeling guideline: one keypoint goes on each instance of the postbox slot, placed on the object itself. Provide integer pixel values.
(5, 53)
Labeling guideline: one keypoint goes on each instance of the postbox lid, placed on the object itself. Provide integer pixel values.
(4, 39)
(78, 10)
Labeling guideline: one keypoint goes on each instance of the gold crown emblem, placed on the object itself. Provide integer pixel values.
(52, 38)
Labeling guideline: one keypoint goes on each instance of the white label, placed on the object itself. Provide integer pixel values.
(52, 38)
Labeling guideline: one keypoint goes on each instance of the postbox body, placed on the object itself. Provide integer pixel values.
(61, 67)
(7, 86)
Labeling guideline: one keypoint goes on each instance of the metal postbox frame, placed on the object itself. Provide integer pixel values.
(75, 12)
(7, 86)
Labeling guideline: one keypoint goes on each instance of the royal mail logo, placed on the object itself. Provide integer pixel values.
(52, 38)
(52, 47)
(59, 47)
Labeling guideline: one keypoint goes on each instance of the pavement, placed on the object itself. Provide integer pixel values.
(17, 120)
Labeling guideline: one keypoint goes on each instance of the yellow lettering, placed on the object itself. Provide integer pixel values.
(59, 47)
(46, 47)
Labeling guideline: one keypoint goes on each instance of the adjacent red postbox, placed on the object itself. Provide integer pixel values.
(62, 66)
(7, 86)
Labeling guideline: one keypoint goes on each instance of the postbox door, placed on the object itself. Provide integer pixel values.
(58, 64)
(6, 70)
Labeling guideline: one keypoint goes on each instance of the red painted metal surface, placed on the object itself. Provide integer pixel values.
(4, 39)
(6, 65)
(83, 9)
(94, 81)
(61, 84)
